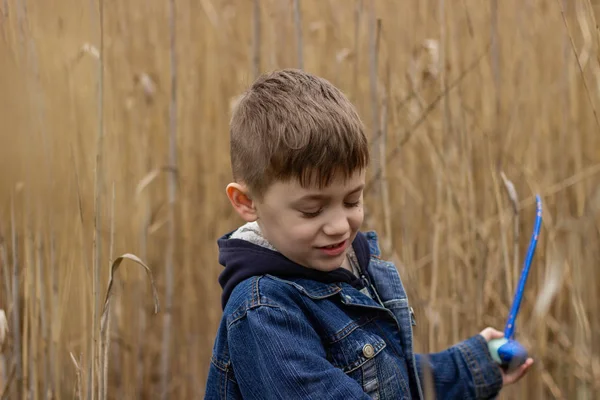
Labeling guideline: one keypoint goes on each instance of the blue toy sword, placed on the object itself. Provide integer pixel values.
(506, 351)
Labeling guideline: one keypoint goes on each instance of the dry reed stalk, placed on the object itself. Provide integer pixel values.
(35, 94)
(384, 182)
(3, 366)
(31, 330)
(428, 384)
(436, 69)
(39, 381)
(143, 239)
(3, 327)
(585, 85)
(592, 300)
(105, 318)
(357, 21)
(575, 140)
(514, 201)
(26, 335)
(105, 335)
(54, 337)
(566, 75)
(172, 198)
(5, 268)
(374, 36)
(79, 372)
(408, 133)
(94, 356)
(547, 192)
(18, 393)
(7, 385)
(43, 316)
(583, 330)
(460, 219)
(298, 26)
(256, 25)
(433, 314)
(503, 231)
(141, 331)
(495, 52)
(58, 307)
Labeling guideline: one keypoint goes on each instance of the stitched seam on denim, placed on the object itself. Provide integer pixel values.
(318, 296)
(222, 385)
(238, 312)
(485, 388)
(225, 385)
(254, 288)
(403, 302)
(480, 386)
(474, 368)
(231, 375)
(218, 364)
(233, 321)
(348, 329)
(328, 292)
(258, 296)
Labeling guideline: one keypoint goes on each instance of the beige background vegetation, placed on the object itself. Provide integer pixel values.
(114, 140)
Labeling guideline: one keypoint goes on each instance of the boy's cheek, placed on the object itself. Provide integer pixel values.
(357, 219)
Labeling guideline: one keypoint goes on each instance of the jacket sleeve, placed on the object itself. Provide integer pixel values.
(276, 354)
(464, 371)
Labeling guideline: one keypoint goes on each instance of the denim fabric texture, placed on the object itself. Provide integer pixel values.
(303, 339)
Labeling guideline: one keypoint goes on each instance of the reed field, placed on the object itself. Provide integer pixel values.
(114, 157)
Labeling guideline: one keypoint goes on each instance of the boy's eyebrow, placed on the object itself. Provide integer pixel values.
(317, 196)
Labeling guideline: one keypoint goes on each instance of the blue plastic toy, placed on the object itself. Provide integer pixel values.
(506, 351)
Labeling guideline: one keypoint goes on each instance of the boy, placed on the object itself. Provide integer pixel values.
(310, 311)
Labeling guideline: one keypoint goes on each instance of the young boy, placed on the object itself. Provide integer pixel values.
(310, 310)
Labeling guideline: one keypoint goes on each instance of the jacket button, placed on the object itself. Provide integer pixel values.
(368, 351)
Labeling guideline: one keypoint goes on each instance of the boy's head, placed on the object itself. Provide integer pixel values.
(298, 155)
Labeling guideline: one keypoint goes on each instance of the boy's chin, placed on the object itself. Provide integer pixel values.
(329, 265)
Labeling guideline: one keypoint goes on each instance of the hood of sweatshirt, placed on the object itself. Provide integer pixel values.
(245, 253)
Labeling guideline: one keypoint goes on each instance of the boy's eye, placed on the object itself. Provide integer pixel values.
(311, 214)
(307, 214)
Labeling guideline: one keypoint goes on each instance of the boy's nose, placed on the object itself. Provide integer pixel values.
(337, 225)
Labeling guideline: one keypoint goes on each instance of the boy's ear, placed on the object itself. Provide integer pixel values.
(239, 197)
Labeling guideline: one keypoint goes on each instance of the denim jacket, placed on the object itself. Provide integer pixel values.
(302, 339)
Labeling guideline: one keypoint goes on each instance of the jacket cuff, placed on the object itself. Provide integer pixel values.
(486, 374)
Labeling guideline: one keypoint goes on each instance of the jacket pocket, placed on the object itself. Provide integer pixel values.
(355, 349)
(356, 354)
(365, 357)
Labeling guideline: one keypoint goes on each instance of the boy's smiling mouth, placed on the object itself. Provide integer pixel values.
(335, 249)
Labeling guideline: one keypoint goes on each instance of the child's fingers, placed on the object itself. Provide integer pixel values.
(490, 333)
(515, 376)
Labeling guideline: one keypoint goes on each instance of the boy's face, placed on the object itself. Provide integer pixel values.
(313, 227)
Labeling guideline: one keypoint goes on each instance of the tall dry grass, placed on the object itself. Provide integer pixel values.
(114, 140)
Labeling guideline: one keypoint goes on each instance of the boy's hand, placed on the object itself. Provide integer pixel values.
(507, 378)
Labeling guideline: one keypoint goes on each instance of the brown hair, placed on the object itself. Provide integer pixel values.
(293, 125)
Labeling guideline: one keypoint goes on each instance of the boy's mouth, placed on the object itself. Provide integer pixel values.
(334, 249)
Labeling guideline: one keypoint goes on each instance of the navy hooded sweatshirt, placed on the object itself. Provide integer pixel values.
(243, 259)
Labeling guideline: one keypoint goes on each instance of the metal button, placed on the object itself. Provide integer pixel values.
(368, 351)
